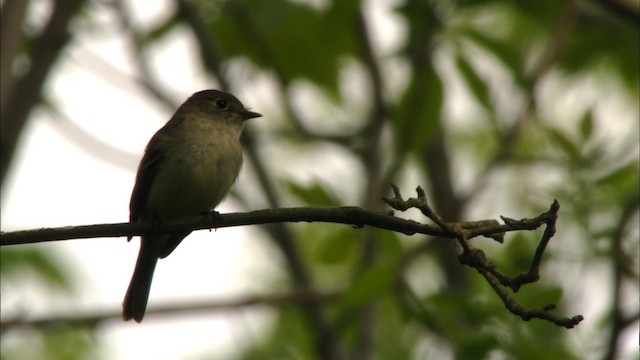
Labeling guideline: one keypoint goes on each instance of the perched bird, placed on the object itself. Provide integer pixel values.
(187, 169)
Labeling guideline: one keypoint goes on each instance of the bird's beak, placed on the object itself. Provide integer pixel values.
(246, 115)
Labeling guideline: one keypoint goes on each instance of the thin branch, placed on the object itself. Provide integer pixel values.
(350, 215)
(146, 78)
(94, 318)
(619, 321)
(26, 91)
(476, 258)
(421, 203)
(527, 314)
(209, 51)
(372, 160)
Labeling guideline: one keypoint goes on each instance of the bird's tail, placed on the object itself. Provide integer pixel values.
(135, 301)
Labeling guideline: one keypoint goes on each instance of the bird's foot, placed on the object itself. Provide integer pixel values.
(156, 223)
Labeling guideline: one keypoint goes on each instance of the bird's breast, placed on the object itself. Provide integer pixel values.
(195, 177)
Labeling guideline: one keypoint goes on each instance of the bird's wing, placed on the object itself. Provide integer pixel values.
(149, 167)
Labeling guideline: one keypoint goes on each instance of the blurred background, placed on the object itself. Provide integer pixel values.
(494, 107)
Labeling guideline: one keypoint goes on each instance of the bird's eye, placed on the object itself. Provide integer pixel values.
(221, 104)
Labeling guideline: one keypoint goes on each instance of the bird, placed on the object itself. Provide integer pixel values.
(187, 169)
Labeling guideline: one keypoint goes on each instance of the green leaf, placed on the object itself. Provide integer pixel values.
(374, 282)
(621, 184)
(503, 51)
(294, 40)
(610, 43)
(160, 31)
(313, 194)
(337, 246)
(563, 142)
(418, 115)
(476, 84)
(586, 125)
(16, 262)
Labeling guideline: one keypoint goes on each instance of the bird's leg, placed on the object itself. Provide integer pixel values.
(212, 214)
(156, 223)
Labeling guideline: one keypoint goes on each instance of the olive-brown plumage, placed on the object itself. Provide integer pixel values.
(187, 169)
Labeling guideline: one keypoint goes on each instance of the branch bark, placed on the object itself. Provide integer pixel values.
(349, 215)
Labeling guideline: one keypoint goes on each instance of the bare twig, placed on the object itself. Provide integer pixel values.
(146, 78)
(476, 258)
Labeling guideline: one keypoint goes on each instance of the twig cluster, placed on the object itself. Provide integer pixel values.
(476, 258)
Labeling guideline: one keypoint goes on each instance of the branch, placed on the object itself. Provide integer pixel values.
(476, 258)
(94, 318)
(25, 93)
(357, 217)
(350, 215)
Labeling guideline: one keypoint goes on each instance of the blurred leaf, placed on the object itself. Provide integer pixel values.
(288, 338)
(70, 344)
(563, 142)
(293, 39)
(389, 244)
(504, 52)
(517, 253)
(621, 183)
(418, 113)
(610, 42)
(477, 347)
(476, 84)
(461, 320)
(337, 246)
(395, 340)
(586, 125)
(417, 117)
(17, 262)
(160, 31)
(313, 194)
(536, 297)
(374, 282)
(518, 344)
(52, 344)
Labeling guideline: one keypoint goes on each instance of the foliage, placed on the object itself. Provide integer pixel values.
(459, 103)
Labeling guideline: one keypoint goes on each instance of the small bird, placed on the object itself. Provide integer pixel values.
(187, 169)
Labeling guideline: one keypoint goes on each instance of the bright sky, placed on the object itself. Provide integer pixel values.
(55, 181)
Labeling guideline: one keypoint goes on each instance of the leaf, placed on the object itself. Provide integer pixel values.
(610, 43)
(295, 40)
(374, 282)
(419, 112)
(563, 142)
(336, 246)
(504, 52)
(15, 263)
(621, 184)
(159, 31)
(586, 125)
(475, 83)
(313, 194)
